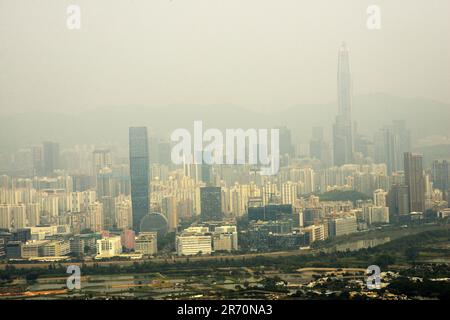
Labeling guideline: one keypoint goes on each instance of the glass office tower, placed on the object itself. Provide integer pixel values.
(139, 174)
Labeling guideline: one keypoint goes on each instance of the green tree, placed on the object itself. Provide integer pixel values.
(412, 254)
(31, 277)
(384, 260)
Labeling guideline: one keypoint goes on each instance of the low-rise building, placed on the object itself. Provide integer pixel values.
(342, 226)
(375, 215)
(83, 243)
(56, 248)
(444, 213)
(109, 247)
(316, 232)
(293, 240)
(33, 248)
(193, 243)
(146, 243)
(14, 250)
(225, 238)
(42, 232)
(224, 242)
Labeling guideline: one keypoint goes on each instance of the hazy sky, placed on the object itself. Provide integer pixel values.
(258, 54)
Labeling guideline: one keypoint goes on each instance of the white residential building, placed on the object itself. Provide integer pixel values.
(192, 244)
(109, 247)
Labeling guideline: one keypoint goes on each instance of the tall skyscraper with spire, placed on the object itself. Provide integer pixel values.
(139, 174)
(342, 129)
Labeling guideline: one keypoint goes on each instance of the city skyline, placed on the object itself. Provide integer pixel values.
(185, 150)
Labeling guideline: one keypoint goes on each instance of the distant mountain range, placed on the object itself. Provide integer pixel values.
(105, 125)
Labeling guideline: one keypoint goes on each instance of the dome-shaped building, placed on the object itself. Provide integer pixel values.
(154, 222)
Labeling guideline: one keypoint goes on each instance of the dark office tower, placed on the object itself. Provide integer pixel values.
(398, 201)
(211, 203)
(50, 157)
(38, 158)
(404, 138)
(318, 148)
(22, 235)
(415, 181)
(315, 149)
(285, 141)
(441, 175)
(109, 212)
(316, 143)
(390, 150)
(139, 174)
(342, 129)
(206, 174)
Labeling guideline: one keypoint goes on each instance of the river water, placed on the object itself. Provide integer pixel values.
(358, 245)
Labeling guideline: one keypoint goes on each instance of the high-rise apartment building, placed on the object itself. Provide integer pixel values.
(169, 209)
(101, 159)
(414, 179)
(379, 198)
